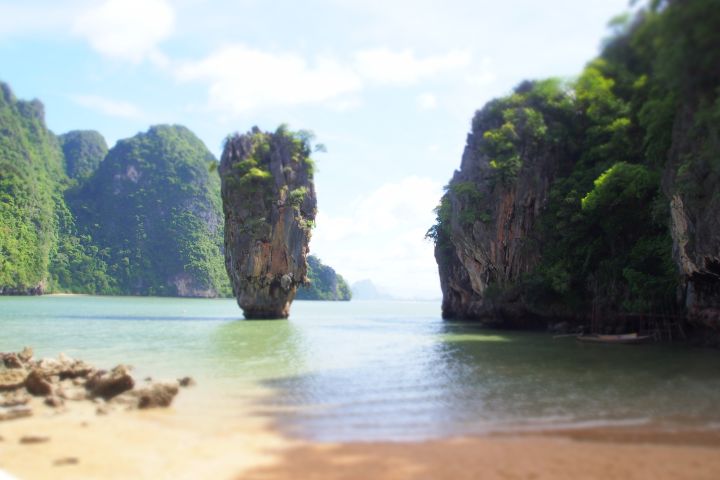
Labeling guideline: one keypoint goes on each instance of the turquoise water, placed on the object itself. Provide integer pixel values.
(375, 370)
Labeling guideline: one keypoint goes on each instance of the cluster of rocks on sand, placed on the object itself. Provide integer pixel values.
(64, 380)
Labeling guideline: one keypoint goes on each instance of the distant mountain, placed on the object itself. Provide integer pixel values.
(325, 283)
(367, 290)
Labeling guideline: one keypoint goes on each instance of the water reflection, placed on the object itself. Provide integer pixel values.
(373, 370)
(446, 378)
(253, 350)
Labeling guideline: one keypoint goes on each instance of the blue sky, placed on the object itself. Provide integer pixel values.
(388, 86)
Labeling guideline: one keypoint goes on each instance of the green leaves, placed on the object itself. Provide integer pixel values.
(323, 283)
(167, 236)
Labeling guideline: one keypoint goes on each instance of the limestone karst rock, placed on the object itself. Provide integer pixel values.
(487, 218)
(269, 203)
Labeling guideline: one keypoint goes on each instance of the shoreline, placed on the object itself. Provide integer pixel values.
(228, 440)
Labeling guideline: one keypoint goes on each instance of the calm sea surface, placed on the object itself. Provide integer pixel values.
(376, 370)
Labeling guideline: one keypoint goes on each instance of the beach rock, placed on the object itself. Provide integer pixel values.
(12, 379)
(66, 379)
(127, 399)
(54, 401)
(12, 413)
(110, 384)
(11, 360)
(33, 439)
(64, 367)
(156, 395)
(25, 355)
(66, 461)
(14, 398)
(72, 393)
(187, 382)
(37, 385)
(270, 205)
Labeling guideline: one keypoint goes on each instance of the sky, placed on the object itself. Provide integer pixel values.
(388, 86)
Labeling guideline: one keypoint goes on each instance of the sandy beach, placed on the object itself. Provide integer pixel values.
(189, 442)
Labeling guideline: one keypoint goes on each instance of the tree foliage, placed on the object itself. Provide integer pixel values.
(323, 283)
(647, 109)
(166, 239)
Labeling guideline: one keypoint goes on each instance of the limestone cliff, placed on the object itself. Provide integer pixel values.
(689, 82)
(693, 184)
(596, 198)
(270, 205)
(488, 217)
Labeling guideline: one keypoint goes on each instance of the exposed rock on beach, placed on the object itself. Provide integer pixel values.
(65, 379)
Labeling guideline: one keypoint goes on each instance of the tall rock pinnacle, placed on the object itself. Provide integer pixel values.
(269, 203)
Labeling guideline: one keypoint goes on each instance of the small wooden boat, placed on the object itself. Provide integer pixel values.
(626, 338)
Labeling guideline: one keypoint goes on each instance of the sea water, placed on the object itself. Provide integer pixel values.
(375, 370)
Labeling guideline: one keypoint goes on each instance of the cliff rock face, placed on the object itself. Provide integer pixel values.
(487, 221)
(690, 76)
(695, 225)
(598, 198)
(270, 205)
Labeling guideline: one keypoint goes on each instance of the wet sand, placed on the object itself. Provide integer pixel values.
(190, 441)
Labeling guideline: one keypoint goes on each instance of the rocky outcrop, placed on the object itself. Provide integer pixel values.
(66, 379)
(269, 203)
(487, 220)
(695, 223)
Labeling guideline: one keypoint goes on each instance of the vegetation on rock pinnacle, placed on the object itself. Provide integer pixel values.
(269, 203)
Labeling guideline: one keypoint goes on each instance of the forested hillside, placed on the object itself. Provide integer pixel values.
(154, 206)
(31, 184)
(599, 194)
(143, 218)
(324, 283)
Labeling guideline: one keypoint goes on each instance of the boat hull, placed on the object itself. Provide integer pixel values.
(626, 339)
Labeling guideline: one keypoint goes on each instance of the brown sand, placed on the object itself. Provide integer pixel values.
(190, 441)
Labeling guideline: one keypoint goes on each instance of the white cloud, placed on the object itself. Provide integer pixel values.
(108, 106)
(427, 101)
(243, 78)
(483, 74)
(24, 19)
(127, 29)
(382, 237)
(385, 66)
